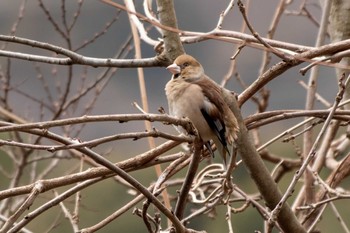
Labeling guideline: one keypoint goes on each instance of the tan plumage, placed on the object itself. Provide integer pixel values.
(192, 94)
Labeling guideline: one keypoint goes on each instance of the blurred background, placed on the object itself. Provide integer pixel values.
(123, 88)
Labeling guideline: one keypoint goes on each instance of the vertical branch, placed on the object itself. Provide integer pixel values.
(172, 43)
(339, 29)
(307, 192)
(276, 19)
(77, 201)
(68, 215)
(190, 175)
(144, 100)
(238, 49)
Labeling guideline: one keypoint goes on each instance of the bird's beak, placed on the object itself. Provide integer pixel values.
(174, 69)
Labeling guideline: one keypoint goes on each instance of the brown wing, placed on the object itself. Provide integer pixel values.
(212, 91)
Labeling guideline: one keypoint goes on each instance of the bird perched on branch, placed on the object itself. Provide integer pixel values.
(192, 94)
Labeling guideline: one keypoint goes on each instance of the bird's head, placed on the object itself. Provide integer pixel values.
(187, 67)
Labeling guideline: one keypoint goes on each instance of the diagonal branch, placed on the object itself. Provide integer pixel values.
(259, 173)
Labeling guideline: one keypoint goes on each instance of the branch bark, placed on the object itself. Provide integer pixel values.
(259, 173)
(172, 43)
(190, 175)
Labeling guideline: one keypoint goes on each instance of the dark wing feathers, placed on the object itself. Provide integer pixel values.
(216, 110)
(217, 126)
(208, 146)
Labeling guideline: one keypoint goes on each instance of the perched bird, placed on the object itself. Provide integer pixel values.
(192, 94)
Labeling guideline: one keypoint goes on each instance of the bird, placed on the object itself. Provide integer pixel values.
(192, 94)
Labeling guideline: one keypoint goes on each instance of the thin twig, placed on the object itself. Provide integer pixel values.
(37, 189)
(257, 36)
(68, 215)
(310, 156)
(224, 13)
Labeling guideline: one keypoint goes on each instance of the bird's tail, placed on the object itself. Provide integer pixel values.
(223, 150)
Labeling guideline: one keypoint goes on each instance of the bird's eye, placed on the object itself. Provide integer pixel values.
(186, 64)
